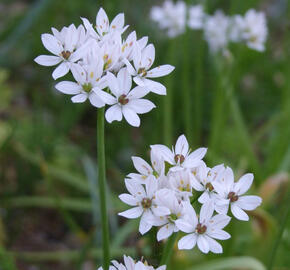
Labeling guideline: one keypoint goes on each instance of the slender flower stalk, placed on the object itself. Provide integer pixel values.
(102, 188)
(168, 249)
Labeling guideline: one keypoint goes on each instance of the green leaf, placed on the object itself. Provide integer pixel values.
(240, 263)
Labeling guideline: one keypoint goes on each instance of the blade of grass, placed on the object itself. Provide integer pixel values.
(231, 263)
(6, 260)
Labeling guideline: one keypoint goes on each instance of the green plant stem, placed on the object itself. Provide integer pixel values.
(187, 110)
(102, 188)
(167, 251)
(280, 233)
(168, 99)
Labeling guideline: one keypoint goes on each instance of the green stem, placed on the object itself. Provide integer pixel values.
(102, 188)
(168, 100)
(167, 251)
(280, 234)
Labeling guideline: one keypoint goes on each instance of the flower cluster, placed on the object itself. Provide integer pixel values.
(103, 65)
(219, 29)
(165, 192)
(130, 264)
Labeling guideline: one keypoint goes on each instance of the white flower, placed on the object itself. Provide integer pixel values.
(68, 46)
(166, 198)
(216, 31)
(145, 170)
(89, 84)
(196, 17)
(144, 202)
(236, 28)
(180, 156)
(130, 264)
(203, 230)
(231, 192)
(125, 101)
(143, 59)
(255, 30)
(170, 16)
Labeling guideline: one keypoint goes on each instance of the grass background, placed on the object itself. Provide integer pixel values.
(239, 107)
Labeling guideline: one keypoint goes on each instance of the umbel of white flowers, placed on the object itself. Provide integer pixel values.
(130, 264)
(163, 194)
(103, 64)
(219, 29)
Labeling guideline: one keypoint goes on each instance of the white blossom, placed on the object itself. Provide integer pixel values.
(196, 17)
(231, 195)
(171, 16)
(203, 230)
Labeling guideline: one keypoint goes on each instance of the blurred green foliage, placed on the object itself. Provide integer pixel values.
(48, 145)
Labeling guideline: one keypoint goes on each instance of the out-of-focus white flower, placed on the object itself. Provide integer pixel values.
(216, 31)
(171, 16)
(203, 230)
(255, 30)
(68, 46)
(180, 156)
(231, 193)
(130, 264)
(236, 28)
(196, 17)
(125, 101)
(141, 72)
(144, 202)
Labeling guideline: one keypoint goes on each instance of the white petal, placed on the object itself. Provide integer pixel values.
(165, 231)
(218, 234)
(79, 73)
(51, 44)
(165, 152)
(96, 100)
(135, 188)
(124, 81)
(187, 242)
(151, 186)
(60, 71)
(47, 60)
(144, 226)
(204, 197)
(139, 81)
(202, 244)
(185, 226)
(198, 154)
(219, 221)
(244, 183)
(160, 71)
(102, 22)
(132, 213)
(67, 87)
(114, 113)
(79, 98)
(181, 146)
(107, 98)
(128, 199)
(130, 68)
(249, 202)
(118, 22)
(113, 84)
(142, 166)
(155, 87)
(141, 105)
(148, 56)
(206, 212)
(239, 213)
(131, 117)
(160, 211)
(214, 246)
(137, 92)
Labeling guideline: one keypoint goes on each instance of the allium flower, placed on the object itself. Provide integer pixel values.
(180, 156)
(143, 60)
(166, 198)
(68, 46)
(203, 230)
(231, 193)
(144, 201)
(216, 31)
(145, 170)
(255, 30)
(88, 86)
(130, 264)
(196, 17)
(125, 101)
(170, 16)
